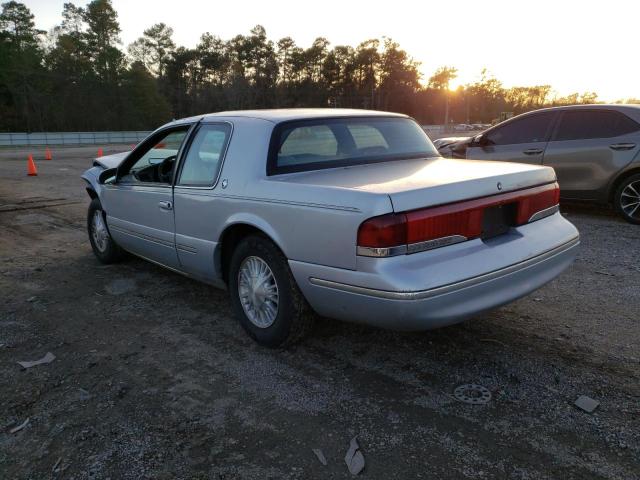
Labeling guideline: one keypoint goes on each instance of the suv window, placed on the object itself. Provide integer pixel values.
(154, 163)
(585, 124)
(336, 142)
(529, 129)
(204, 158)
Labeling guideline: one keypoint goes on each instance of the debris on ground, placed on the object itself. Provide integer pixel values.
(354, 457)
(320, 456)
(493, 340)
(84, 395)
(586, 403)
(472, 394)
(48, 358)
(55, 467)
(601, 272)
(19, 427)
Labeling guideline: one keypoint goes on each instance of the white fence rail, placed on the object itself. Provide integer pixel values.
(70, 138)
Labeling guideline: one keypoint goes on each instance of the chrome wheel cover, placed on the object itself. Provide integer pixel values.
(258, 292)
(99, 231)
(630, 200)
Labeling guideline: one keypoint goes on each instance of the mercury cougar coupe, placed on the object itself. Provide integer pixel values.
(348, 214)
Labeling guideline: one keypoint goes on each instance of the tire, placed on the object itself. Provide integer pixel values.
(104, 248)
(627, 194)
(293, 318)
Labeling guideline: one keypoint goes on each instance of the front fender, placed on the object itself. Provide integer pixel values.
(91, 177)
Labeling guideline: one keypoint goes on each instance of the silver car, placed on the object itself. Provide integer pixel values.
(349, 214)
(594, 149)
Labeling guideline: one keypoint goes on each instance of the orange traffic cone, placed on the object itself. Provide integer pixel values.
(100, 152)
(32, 171)
(47, 154)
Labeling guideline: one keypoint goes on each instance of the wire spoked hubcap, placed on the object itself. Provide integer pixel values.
(630, 200)
(258, 292)
(99, 231)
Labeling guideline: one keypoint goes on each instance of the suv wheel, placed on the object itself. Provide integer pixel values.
(627, 199)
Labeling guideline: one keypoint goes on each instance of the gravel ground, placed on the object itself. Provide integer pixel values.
(153, 378)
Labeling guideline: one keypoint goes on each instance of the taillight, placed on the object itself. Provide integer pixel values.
(384, 231)
(428, 228)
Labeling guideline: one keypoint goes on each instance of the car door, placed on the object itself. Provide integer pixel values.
(139, 205)
(588, 147)
(196, 216)
(522, 139)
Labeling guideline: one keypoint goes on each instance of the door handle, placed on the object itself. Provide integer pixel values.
(622, 146)
(165, 205)
(533, 151)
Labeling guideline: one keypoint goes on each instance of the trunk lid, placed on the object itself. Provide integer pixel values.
(419, 183)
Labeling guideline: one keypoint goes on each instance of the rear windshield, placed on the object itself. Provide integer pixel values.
(327, 143)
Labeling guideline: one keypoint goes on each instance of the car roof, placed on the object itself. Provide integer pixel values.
(285, 114)
(593, 106)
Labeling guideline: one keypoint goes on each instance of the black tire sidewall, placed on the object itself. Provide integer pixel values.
(112, 253)
(276, 334)
(618, 198)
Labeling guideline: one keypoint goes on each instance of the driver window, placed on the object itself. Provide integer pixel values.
(155, 165)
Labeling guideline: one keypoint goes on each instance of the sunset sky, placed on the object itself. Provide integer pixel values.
(575, 46)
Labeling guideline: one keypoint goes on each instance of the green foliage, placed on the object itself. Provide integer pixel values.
(77, 77)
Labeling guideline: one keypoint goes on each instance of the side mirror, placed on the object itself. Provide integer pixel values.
(479, 141)
(108, 176)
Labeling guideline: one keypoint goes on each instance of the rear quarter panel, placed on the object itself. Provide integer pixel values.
(309, 223)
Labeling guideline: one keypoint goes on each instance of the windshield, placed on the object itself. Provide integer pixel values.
(327, 143)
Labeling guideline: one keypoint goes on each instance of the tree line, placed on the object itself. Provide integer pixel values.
(78, 77)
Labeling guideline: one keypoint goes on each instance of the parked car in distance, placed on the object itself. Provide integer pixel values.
(594, 149)
(350, 214)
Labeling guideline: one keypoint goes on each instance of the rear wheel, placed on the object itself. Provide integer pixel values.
(102, 244)
(627, 199)
(265, 297)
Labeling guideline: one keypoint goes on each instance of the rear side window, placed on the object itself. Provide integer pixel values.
(585, 124)
(529, 129)
(204, 158)
(334, 142)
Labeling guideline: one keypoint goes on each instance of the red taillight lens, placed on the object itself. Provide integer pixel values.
(546, 197)
(446, 224)
(384, 231)
(445, 221)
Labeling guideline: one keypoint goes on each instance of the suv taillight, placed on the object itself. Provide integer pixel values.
(427, 228)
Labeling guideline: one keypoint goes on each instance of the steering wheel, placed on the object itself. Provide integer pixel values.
(165, 170)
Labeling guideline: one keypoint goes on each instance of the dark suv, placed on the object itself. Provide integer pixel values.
(594, 149)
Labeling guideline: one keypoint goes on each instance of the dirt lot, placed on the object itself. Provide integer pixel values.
(153, 378)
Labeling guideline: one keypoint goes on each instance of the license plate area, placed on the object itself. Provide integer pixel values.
(497, 220)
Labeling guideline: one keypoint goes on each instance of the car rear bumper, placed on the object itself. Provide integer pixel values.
(445, 304)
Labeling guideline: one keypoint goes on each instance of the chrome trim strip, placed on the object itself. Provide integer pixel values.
(409, 249)
(186, 248)
(435, 243)
(433, 292)
(142, 236)
(270, 200)
(381, 251)
(544, 213)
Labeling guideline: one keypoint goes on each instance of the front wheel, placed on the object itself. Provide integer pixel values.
(265, 296)
(104, 248)
(627, 199)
